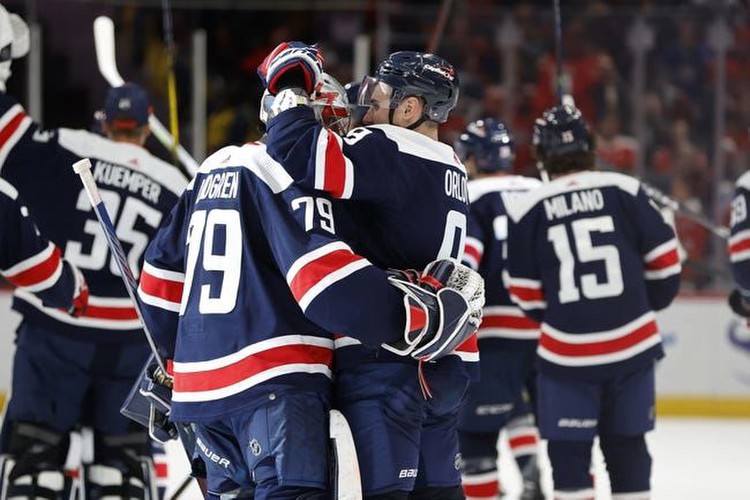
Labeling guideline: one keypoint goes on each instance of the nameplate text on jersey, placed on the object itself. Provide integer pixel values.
(125, 178)
(572, 203)
(219, 185)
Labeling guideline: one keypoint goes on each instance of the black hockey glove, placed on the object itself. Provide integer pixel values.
(738, 304)
(150, 402)
(443, 308)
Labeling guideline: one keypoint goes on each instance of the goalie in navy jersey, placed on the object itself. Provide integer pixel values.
(405, 193)
(242, 287)
(72, 372)
(32, 263)
(503, 397)
(591, 258)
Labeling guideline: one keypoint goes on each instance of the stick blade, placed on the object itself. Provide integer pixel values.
(347, 483)
(104, 43)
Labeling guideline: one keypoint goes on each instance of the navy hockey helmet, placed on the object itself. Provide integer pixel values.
(561, 131)
(408, 73)
(490, 143)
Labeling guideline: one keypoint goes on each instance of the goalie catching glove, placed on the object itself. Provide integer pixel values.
(443, 308)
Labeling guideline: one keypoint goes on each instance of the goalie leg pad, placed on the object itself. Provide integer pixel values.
(33, 468)
(122, 468)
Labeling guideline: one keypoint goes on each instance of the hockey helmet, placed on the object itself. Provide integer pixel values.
(560, 136)
(490, 143)
(407, 73)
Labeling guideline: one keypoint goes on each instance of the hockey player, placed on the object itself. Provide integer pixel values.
(502, 397)
(34, 264)
(738, 245)
(591, 258)
(228, 286)
(406, 193)
(77, 371)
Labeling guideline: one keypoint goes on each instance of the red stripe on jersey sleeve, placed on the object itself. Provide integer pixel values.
(39, 273)
(664, 261)
(11, 127)
(469, 345)
(473, 252)
(105, 312)
(740, 246)
(335, 167)
(168, 290)
(316, 270)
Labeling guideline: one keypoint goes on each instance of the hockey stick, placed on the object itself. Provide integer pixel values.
(174, 125)
(347, 484)
(664, 200)
(83, 169)
(437, 31)
(104, 43)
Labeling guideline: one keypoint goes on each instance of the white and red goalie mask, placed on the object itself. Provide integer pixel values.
(331, 105)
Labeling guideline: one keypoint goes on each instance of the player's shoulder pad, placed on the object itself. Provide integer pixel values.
(419, 145)
(743, 182)
(87, 144)
(8, 190)
(253, 157)
(480, 187)
(574, 182)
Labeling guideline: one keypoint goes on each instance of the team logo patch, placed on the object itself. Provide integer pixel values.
(457, 462)
(255, 447)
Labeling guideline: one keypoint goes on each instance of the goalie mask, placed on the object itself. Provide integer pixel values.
(331, 105)
(14, 42)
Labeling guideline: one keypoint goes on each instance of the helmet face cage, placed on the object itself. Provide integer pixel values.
(331, 105)
(489, 143)
(561, 132)
(408, 74)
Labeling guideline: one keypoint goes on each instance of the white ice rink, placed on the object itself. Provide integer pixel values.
(694, 459)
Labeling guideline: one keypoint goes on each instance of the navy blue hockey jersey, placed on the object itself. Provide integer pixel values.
(591, 257)
(405, 193)
(230, 281)
(739, 240)
(27, 259)
(137, 188)
(504, 324)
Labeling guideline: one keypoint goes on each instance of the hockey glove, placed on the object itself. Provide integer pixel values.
(150, 402)
(738, 304)
(80, 294)
(439, 317)
(292, 64)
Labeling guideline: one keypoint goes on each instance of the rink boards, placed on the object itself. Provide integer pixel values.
(706, 371)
